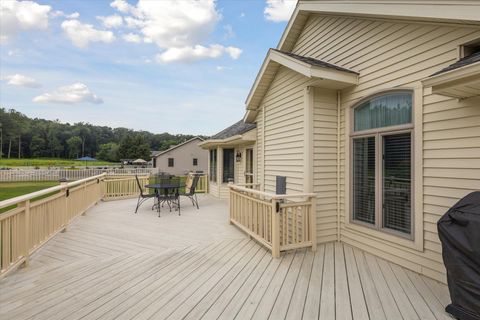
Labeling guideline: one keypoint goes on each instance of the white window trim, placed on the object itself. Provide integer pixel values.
(416, 242)
(251, 174)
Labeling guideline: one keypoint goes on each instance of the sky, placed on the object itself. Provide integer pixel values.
(178, 66)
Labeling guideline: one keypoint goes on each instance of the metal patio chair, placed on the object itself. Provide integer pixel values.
(142, 197)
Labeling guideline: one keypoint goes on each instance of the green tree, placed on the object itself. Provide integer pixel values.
(109, 152)
(134, 147)
(37, 146)
(74, 146)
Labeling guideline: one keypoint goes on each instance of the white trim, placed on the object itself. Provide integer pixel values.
(245, 138)
(453, 76)
(176, 147)
(416, 241)
(464, 11)
(450, 83)
(308, 103)
(275, 59)
(411, 9)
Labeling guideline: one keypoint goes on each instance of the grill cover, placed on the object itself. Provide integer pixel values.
(459, 232)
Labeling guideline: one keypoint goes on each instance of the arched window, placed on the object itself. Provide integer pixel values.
(382, 162)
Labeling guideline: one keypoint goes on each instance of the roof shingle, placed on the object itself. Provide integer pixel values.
(315, 62)
(235, 129)
(473, 58)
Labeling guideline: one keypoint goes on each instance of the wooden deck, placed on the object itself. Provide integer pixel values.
(113, 264)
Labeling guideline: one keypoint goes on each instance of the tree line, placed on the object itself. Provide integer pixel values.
(24, 137)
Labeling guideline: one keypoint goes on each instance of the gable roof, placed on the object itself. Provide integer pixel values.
(329, 75)
(465, 61)
(178, 146)
(235, 129)
(314, 62)
(466, 12)
(237, 134)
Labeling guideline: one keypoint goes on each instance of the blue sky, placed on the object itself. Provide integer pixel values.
(187, 66)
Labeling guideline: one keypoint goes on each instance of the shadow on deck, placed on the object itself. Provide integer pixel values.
(113, 264)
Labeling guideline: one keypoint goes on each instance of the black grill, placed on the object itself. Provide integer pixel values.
(459, 232)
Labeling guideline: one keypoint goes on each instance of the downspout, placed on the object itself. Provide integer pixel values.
(339, 104)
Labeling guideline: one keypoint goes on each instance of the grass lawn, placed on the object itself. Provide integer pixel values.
(14, 189)
(50, 162)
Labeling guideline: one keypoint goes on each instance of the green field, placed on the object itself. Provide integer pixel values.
(14, 189)
(50, 162)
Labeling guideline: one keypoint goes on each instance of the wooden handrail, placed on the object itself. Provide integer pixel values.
(36, 194)
(30, 224)
(270, 195)
(276, 224)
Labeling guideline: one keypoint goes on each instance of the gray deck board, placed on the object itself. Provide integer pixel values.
(113, 264)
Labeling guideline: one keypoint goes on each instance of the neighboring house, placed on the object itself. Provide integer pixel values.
(182, 158)
(375, 107)
(231, 157)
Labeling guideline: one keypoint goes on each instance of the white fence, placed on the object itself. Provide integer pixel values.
(55, 175)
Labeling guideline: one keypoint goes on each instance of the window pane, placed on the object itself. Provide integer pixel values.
(384, 111)
(228, 165)
(364, 179)
(213, 165)
(249, 161)
(397, 182)
(249, 166)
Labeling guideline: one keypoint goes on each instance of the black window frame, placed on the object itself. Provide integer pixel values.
(228, 165)
(171, 162)
(213, 165)
(195, 162)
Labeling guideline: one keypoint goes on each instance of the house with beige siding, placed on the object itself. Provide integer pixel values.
(373, 107)
(181, 158)
(231, 157)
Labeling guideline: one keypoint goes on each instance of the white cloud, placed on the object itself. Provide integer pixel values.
(22, 81)
(113, 21)
(234, 52)
(82, 34)
(179, 28)
(172, 23)
(133, 23)
(121, 5)
(195, 53)
(59, 13)
(132, 37)
(229, 33)
(222, 68)
(279, 10)
(18, 16)
(75, 93)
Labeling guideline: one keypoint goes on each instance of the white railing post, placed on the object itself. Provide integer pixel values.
(313, 222)
(26, 239)
(275, 230)
(65, 191)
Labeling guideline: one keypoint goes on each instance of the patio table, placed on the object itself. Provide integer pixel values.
(166, 193)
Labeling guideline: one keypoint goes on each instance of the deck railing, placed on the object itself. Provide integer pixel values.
(36, 217)
(202, 186)
(32, 219)
(73, 174)
(123, 187)
(279, 222)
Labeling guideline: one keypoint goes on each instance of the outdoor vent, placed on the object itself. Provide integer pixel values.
(281, 185)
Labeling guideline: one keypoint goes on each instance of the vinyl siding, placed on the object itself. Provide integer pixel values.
(213, 189)
(325, 162)
(284, 132)
(222, 190)
(260, 173)
(390, 54)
